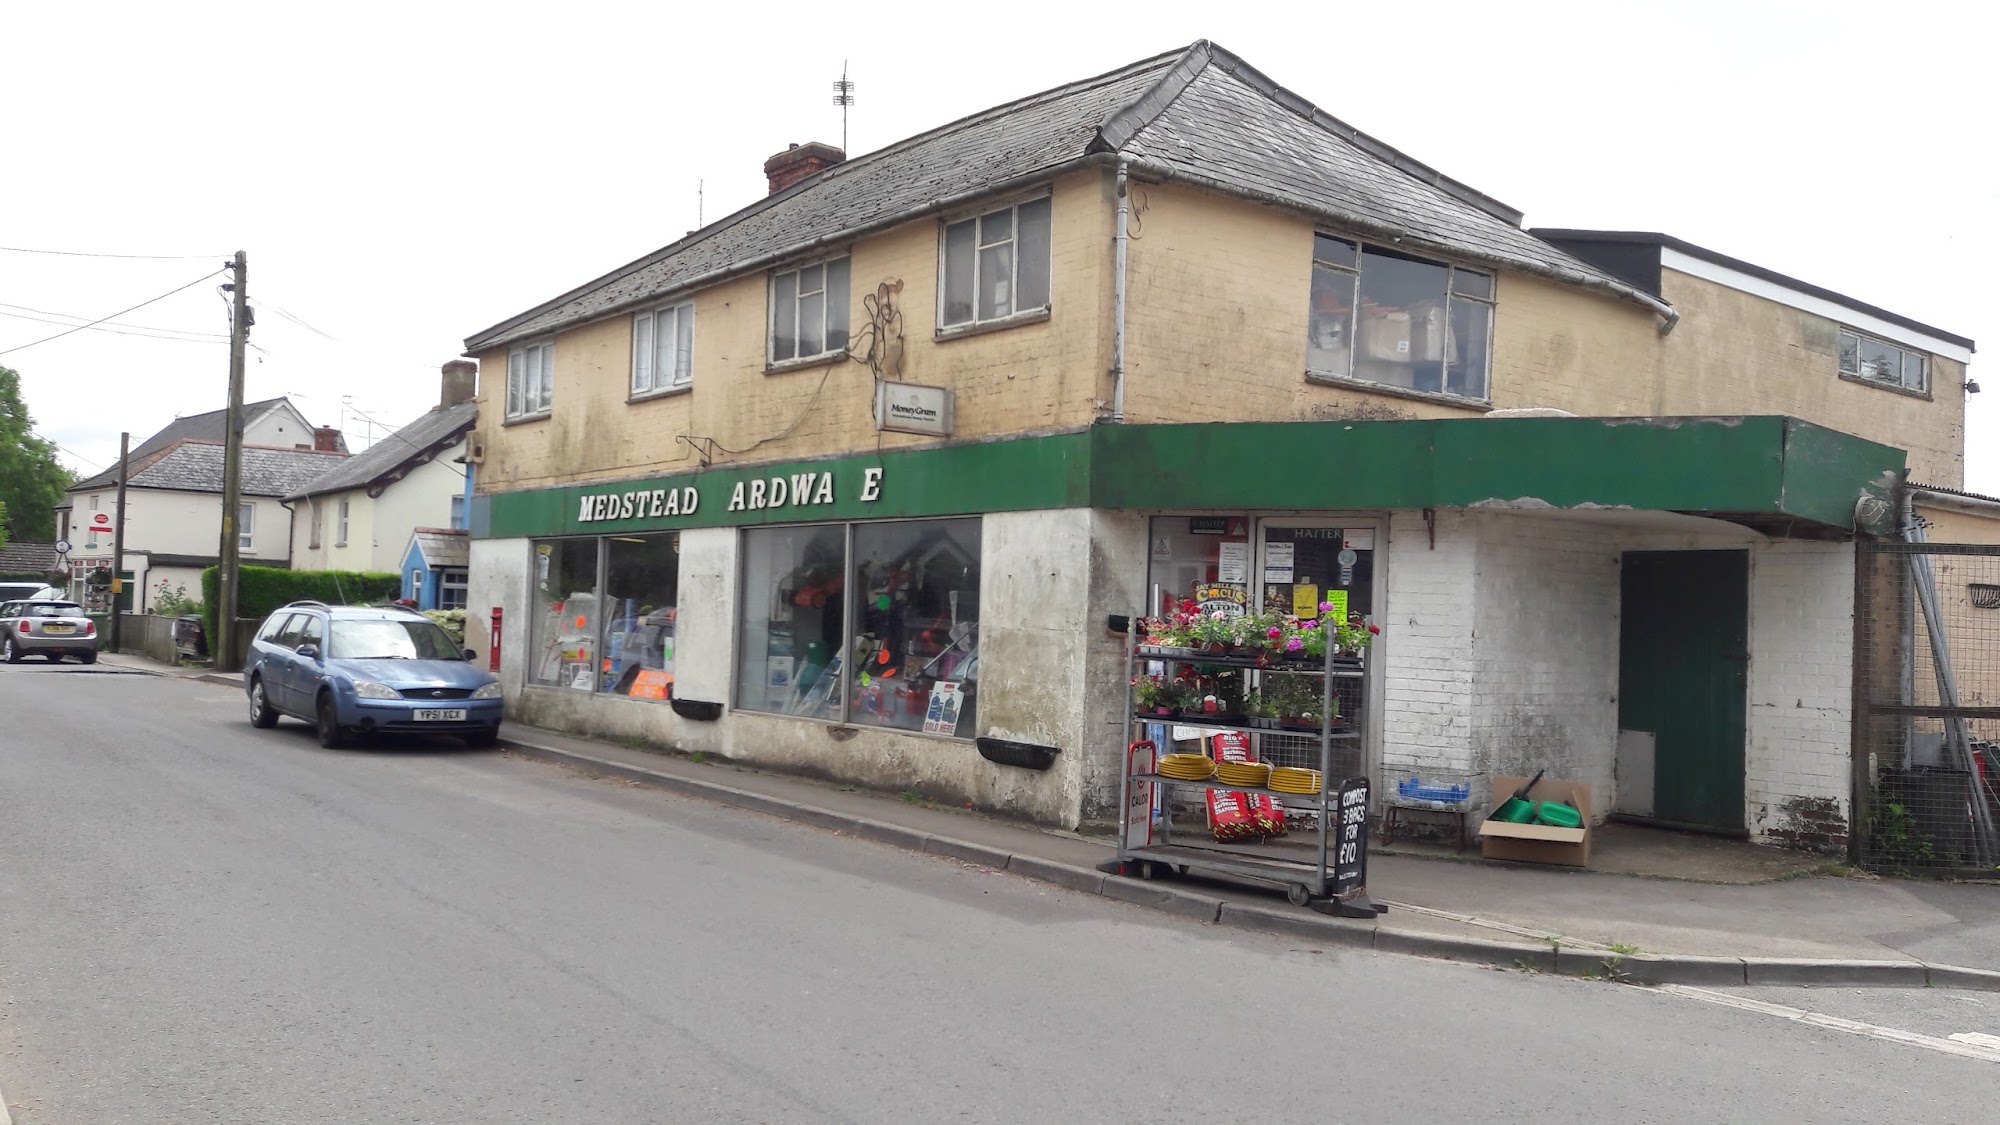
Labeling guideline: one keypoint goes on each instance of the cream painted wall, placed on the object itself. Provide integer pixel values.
(378, 528)
(1024, 377)
(183, 523)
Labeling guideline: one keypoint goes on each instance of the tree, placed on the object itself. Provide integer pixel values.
(32, 481)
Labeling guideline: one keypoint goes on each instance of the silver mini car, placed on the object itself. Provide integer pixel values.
(49, 629)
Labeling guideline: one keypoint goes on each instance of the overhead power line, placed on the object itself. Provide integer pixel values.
(129, 257)
(144, 332)
(113, 316)
(294, 319)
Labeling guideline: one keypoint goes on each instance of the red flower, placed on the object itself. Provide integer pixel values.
(1376, 629)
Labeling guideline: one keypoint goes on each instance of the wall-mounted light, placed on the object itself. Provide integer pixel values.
(1972, 386)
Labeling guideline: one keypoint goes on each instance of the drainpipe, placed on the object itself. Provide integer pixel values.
(1118, 242)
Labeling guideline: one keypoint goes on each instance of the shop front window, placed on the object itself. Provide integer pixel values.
(641, 580)
(916, 624)
(565, 613)
(911, 592)
(793, 627)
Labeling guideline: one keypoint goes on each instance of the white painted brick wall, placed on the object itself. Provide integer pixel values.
(1425, 651)
(1801, 684)
(1546, 650)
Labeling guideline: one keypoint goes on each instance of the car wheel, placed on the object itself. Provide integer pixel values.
(11, 650)
(262, 714)
(327, 721)
(88, 658)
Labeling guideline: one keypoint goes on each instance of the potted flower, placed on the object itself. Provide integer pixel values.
(1154, 694)
(1214, 632)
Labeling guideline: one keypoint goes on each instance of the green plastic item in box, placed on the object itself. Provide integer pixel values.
(1557, 815)
(1514, 810)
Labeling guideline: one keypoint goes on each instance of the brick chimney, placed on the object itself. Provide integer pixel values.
(326, 439)
(798, 162)
(460, 383)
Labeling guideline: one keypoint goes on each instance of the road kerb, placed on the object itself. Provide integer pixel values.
(1645, 968)
(5, 1117)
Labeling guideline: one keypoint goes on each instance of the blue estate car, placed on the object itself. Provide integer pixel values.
(355, 670)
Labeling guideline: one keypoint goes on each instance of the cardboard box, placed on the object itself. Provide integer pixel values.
(1538, 843)
(1386, 336)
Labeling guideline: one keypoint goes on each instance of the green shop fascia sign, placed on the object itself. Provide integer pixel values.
(1758, 466)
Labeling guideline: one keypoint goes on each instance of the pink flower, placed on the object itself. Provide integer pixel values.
(1294, 645)
(1308, 625)
(1326, 607)
(1274, 632)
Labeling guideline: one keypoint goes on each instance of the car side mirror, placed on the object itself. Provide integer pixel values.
(471, 655)
(309, 651)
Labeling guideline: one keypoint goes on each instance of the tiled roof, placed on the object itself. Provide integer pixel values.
(196, 466)
(21, 557)
(212, 426)
(1201, 114)
(443, 547)
(394, 456)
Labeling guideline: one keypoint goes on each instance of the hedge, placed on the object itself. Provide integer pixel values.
(261, 589)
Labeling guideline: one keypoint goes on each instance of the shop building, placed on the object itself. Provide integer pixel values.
(864, 479)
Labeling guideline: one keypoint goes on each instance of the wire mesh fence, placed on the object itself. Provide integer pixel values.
(1927, 707)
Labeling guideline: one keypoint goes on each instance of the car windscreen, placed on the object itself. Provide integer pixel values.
(54, 609)
(390, 639)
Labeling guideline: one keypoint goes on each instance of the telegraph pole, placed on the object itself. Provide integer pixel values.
(232, 469)
(118, 543)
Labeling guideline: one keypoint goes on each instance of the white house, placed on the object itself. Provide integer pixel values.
(362, 514)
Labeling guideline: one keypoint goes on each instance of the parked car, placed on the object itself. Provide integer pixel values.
(29, 591)
(367, 670)
(49, 629)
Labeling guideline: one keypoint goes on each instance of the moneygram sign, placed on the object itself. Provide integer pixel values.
(912, 408)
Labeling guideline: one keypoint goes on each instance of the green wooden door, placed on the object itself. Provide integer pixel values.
(1683, 663)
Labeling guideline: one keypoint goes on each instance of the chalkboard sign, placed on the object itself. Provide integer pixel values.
(1350, 857)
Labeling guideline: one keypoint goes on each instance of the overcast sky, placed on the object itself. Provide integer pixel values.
(403, 175)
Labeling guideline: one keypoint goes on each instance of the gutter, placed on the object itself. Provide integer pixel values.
(1667, 314)
(495, 338)
(1956, 501)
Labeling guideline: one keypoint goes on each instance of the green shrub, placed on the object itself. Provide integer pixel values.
(453, 622)
(261, 589)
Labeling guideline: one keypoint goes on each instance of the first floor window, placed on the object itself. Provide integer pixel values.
(451, 589)
(340, 527)
(1878, 361)
(995, 265)
(1387, 317)
(911, 593)
(457, 513)
(246, 521)
(663, 349)
(531, 379)
(809, 311)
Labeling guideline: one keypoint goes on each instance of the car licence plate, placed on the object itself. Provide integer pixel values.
(440, 715)
(58, 628)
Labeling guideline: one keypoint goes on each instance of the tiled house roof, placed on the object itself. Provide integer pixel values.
(1200, 115)
(394, 456)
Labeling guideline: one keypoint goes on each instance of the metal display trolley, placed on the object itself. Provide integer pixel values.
(1331, 877)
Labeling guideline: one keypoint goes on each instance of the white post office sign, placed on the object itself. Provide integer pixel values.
(912, 408)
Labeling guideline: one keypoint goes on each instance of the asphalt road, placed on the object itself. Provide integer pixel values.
(200, 922)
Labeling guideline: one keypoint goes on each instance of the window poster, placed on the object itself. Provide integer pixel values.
(941, 716)
(1278, 562)
(1232, 562)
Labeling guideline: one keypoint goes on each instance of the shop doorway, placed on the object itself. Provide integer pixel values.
(1300, 564)
(1683, 670)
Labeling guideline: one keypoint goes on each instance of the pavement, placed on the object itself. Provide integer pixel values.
(1802, 928)
(203, 922)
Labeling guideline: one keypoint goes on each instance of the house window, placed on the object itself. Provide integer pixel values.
(531, 379)
(809, 311)
(458, 512)
(1382, 316)
(93, 503)
(995, 265)
(910, 592)
(663, 349)
(340, 526)
(246, 523)
(451, 589)
(1865, 357)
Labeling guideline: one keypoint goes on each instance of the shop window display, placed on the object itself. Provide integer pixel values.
(566, 613)
(916, 626)
(793, 620)
(641, 580)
